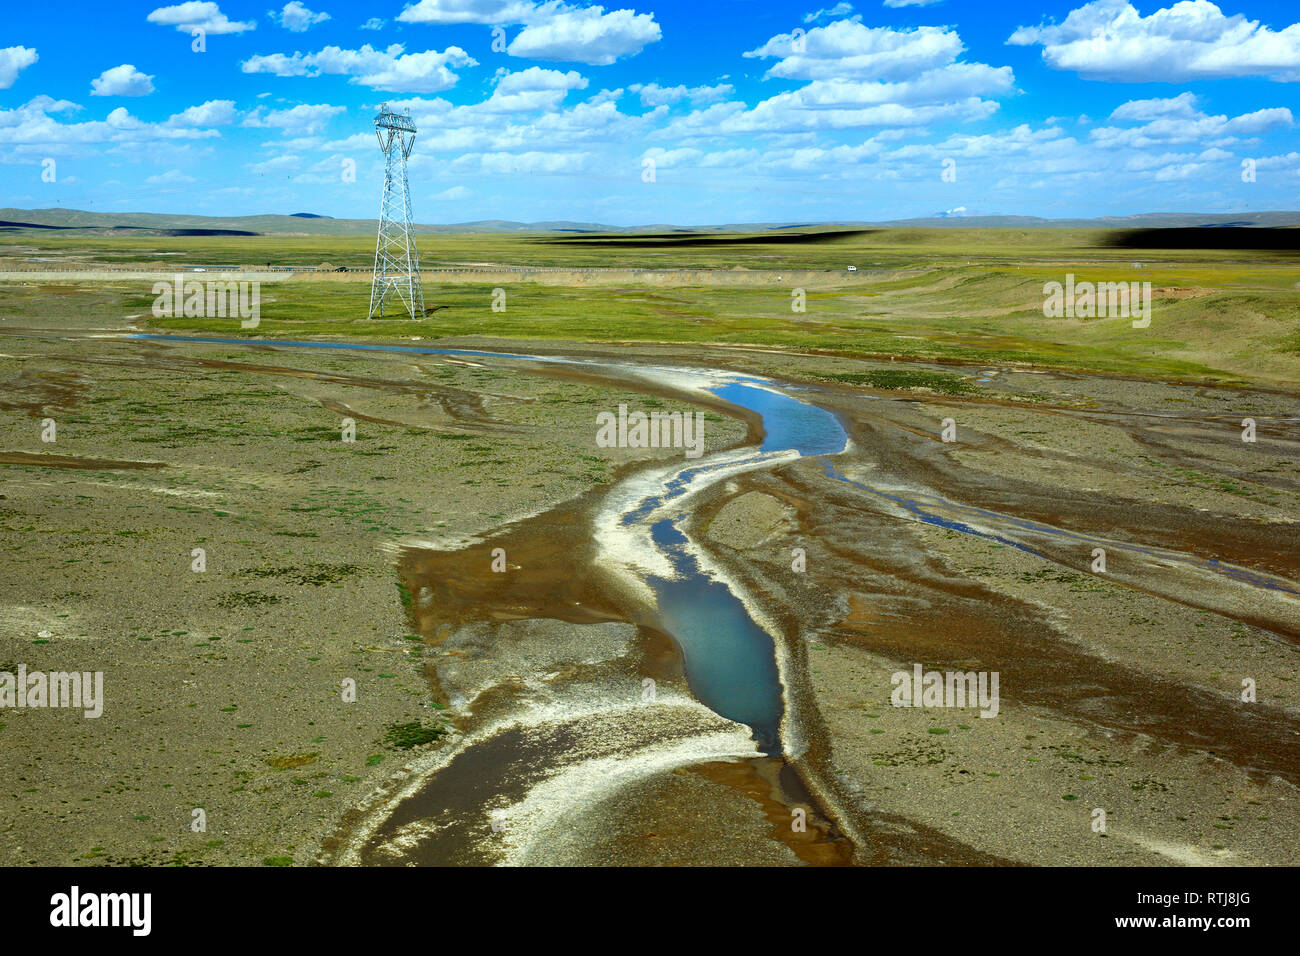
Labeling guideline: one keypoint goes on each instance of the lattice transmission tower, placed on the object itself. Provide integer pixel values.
(397, 261)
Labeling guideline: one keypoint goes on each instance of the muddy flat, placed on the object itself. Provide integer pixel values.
(399, 606)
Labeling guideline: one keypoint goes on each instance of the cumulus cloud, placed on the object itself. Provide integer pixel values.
(296, 18)
(553, 30)
(374, 23)
(390, 69)
(533, 89)
(211, 113)
(468, 11)
(862, 76)
(1183, 105)
(848, 49)
(124, 80)
(587, 35)
(32, 129)
(1176, 121)
(47, 104)
(477, 130)
(298, 120)
(1191, 40)
(13, 60)
(198, 15)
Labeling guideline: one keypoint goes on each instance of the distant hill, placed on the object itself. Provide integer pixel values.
(304, 223)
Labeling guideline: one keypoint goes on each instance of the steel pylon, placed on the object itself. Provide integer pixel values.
(397, 261)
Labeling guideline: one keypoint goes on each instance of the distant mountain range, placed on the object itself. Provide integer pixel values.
(305, 223)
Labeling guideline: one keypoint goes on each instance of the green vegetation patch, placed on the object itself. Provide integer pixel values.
(945, 383)
(413, 734)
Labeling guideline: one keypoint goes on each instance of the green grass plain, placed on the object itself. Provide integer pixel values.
(950, 295)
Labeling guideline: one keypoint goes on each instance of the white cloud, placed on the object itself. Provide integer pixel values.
(710, 94)
(797, 112)
(47, 104)
(1021, 140)
(946, 84)
(652, 94)
(453, 193)
(531, 161)
(425, 72)
(1193, 39)
(839, 10)
(910, 3)
(673, 157)
(533, 89)
(863, 77)
(296, 18)
(587, 35)
(198, 15)
(30, 130)
(13, 60)
(1183, 105)
(1180, 171)
(1179, 128)
(390, 69)
(468, 11)
(553, 30)
(1278, 162)
(374, 23)
(124, 80)
(211, 113)
(477, 129)
(302, 119)
(848, 49)
(275, 165)
(728, 158)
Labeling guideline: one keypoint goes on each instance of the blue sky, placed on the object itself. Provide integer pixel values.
(743, 111)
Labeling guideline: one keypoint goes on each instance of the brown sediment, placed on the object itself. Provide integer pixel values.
(772, 782)
(547, 574)
(73, 461)
(43, 392)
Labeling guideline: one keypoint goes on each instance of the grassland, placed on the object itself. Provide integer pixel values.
(949, 295)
